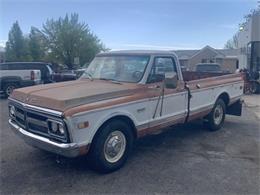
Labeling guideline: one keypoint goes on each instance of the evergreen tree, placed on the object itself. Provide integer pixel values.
(16, 45)
(36, 44)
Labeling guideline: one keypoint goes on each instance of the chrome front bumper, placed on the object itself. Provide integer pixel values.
(64, 149)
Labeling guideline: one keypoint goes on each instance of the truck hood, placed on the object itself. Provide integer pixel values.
(65, 95)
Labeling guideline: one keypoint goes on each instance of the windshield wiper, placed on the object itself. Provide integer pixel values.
(89, 76)
(112, 80)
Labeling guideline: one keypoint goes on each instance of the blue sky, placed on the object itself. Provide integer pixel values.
(145, 24)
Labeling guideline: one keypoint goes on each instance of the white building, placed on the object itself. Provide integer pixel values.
(249, 41)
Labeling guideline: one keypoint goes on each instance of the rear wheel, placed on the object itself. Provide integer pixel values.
(215, 119)
(111, 146)
(254, 87)
(8, 88)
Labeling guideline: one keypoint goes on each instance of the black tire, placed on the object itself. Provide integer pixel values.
(254, 88)
(98, 157)
(8, 88)
(215, 120)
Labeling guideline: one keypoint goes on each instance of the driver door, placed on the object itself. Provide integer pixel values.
(169, 105)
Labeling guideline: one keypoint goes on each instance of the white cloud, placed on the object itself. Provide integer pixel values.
(2, 43)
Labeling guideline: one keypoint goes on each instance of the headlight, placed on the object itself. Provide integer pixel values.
(61, 129)
(56, 128)
(12, 111)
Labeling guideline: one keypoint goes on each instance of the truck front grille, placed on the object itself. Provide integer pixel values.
(37, 123)
(20, 117)
(33, 121)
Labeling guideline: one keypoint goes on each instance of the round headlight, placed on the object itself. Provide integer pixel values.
(61, 129)
(54, 127)
(12, 111)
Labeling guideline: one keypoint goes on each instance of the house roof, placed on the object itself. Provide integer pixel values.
(187, 54)
(229, 52)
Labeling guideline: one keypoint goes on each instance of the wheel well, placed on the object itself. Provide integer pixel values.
(122, 118)
(225, 98)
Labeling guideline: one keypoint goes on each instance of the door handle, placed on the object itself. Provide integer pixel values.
(198, 86)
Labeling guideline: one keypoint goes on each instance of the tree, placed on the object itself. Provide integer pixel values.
(67, 39)
(16, 46)
(36, 44)
(232, 43)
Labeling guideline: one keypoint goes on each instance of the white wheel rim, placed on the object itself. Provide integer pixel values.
(218, 114)
(114, 147)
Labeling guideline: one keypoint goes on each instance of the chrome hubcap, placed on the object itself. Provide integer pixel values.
(9, 90)
(114, 146)
(218, 114)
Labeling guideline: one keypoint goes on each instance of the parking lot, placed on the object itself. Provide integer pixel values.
(185, 159)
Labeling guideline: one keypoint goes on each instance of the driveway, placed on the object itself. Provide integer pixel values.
(253, 102)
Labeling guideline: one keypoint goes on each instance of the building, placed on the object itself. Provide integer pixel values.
(249, 43)
(226, 58)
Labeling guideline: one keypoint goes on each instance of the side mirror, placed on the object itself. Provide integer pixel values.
(171, 80)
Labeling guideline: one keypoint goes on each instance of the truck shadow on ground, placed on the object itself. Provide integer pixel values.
(172, 138)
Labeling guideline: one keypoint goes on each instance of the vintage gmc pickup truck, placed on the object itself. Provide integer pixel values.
(122, 96)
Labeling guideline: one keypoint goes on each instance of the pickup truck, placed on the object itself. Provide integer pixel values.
(12, 78)
(123, 95)
(45, 68)
(68, 75)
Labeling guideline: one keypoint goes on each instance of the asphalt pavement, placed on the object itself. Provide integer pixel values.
(185, 160)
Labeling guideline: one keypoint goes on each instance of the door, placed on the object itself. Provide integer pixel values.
(170, 104)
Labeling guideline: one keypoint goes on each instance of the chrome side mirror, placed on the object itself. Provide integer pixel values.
(171, 80)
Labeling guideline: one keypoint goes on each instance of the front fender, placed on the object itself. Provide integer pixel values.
(110, 116)
(96, 120)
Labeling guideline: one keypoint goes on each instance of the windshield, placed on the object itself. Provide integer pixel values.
(117, 68)
(208, 68)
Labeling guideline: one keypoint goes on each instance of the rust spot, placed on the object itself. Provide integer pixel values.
(83, 150)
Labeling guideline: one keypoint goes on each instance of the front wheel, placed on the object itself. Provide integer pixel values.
(111, 146)
(215, 119)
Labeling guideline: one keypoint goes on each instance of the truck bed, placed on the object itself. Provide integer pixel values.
(199, 80)
(193, 75)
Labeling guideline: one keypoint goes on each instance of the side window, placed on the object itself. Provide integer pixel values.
(15, 66)
(161, 66)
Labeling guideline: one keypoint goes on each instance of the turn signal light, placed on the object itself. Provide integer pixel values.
(83, 125)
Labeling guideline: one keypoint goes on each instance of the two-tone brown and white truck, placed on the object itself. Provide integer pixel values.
(122, 96)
